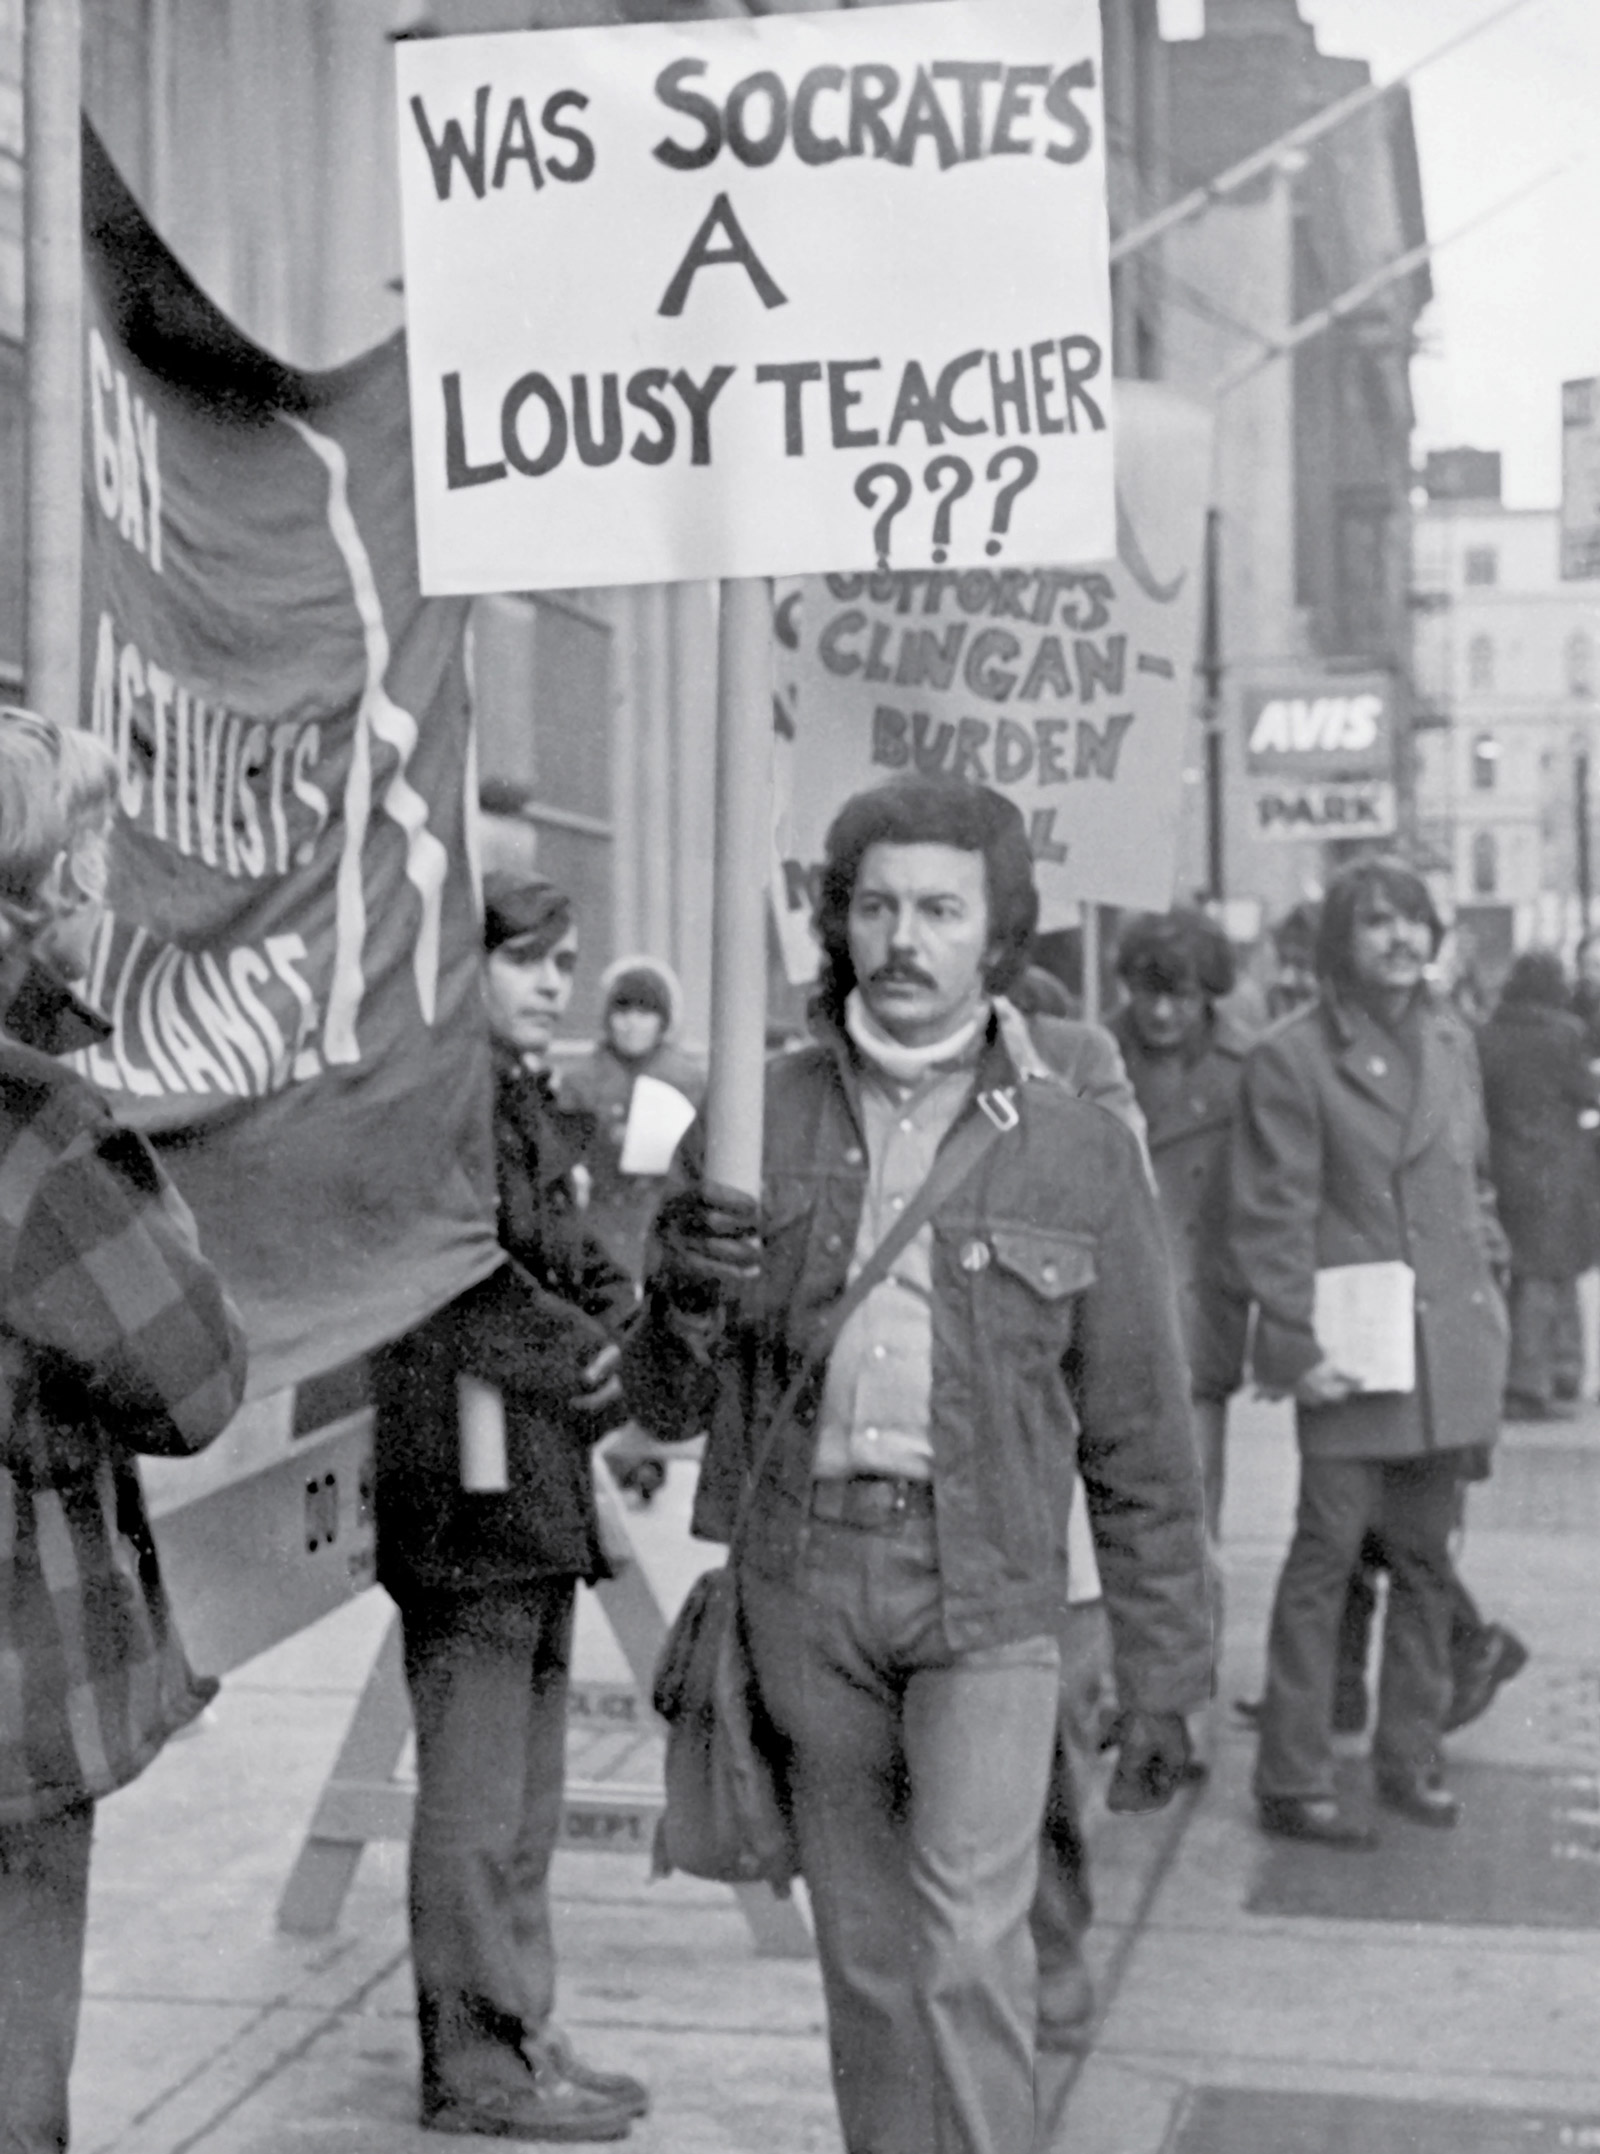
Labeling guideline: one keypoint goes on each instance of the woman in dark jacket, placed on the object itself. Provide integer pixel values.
(1537, 1085)
(485, 1417)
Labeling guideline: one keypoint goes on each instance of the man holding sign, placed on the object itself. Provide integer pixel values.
(979, 1250)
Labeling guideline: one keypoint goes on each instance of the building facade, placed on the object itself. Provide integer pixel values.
(1313, 464)
(1506, 671)
(260, 142)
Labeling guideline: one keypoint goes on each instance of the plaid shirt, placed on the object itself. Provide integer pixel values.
(115, 1337)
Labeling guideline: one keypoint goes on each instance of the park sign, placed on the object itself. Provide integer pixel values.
(758, 297)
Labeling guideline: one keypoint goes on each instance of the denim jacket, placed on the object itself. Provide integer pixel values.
(1055, 1342)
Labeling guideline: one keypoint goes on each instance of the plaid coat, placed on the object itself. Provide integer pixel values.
(115, 1337)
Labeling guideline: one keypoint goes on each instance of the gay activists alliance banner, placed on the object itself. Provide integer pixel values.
(758, 297)
(291, 954)
(1067, 688)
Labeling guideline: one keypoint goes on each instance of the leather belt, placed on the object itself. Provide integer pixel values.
(872, 1503)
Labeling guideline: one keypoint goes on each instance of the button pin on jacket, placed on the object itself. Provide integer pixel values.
(975, 1256)
(1378, 1066)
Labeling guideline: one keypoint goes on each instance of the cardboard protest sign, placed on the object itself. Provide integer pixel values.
(758, 297)
(291, 958)
(1067, 689)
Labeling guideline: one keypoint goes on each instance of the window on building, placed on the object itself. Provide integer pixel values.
(1580, 664)
(1481, 565)
(1485, 864)
(1480, 663)
(1485, 763)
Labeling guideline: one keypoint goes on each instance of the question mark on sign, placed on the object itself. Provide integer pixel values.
(867, 495)
(1027, 471)
(942, 467)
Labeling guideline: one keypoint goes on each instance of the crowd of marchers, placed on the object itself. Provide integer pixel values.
(962, 1371)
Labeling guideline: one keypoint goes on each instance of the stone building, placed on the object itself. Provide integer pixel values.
(1507, 669)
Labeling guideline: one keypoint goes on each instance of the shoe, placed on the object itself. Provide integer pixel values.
(621, 2088)
(1497, 1655)
(1312, 1817)
(1066, 2008)
(1419, 1795)
(1518, 1406)
(512, 2097)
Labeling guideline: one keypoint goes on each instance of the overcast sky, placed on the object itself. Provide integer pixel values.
(1518, 305)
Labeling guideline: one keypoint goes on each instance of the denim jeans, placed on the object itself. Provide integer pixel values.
(1411, 1504)
(919, 1776)
(44, 1903)
(488, 1687)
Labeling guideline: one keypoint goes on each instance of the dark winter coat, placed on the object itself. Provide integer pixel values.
(1341, 1156)
(1536, 1083)
(115, 1337)
(1055, 1343)
(529, 1329)
(1188, 1137)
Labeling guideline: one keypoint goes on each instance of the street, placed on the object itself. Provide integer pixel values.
(1256, 1997)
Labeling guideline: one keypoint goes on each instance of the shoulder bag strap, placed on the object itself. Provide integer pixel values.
(955, 1162)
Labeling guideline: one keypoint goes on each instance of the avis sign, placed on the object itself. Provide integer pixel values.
(734, 298)
(1334, 728)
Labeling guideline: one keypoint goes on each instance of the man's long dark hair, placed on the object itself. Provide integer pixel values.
(929, 811)
(1389, 877)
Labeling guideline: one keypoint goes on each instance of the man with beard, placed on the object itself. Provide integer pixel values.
(903, 1563)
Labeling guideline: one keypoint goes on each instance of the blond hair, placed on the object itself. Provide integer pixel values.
(56, 782)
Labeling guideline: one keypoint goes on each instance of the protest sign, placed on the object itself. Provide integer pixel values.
(1067, 689)
(745, 298)
(291, 957)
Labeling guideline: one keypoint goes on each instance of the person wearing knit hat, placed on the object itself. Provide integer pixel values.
(484, 1420)
(641, 996)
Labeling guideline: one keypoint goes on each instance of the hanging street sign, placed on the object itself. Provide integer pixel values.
(772, 296)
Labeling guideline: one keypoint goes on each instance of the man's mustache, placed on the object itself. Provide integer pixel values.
(901, 970)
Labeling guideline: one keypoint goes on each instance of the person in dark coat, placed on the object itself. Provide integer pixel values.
(640, 997)
(1360, 1141)
(1537, 1086)
(116, 1337)
(1185, 1060)
(485, 1416)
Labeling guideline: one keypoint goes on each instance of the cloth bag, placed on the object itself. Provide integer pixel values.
(727, 1814)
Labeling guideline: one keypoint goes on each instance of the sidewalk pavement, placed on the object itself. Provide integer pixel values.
(1256, 1998)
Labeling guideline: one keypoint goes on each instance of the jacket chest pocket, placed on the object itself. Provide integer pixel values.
(1025, 1284)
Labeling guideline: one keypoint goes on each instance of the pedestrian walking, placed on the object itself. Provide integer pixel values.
(1360, 1142)
(903, 1564)
(1185, 1059)
(1537, 1087)
(116, 1337)
(484, 1420)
